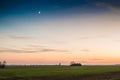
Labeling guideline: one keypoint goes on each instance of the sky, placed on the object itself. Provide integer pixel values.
(49, 32)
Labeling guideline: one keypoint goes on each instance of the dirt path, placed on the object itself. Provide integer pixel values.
(105, 76)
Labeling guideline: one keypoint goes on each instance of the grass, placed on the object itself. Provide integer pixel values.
(43, 71)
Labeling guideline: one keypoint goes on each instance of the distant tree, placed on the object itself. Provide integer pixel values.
(2, 64)
(75, 64)
(59, 64)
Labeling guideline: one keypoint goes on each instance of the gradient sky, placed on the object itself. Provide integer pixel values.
(53, 31)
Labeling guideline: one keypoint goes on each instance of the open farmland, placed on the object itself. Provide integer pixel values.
(60, 73)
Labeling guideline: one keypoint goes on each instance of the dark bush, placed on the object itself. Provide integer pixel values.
(2, 64)
(75, 64)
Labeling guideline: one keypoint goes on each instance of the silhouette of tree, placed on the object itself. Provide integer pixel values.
(59, 64)
(75, 64)
(2, 64)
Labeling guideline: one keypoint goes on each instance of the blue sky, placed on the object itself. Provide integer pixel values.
(65, 30)
(19, 8)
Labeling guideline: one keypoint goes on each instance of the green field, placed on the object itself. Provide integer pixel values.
(27, 72)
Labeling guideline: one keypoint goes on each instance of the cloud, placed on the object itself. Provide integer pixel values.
(43, 49)
(28, 50)
(53, 50)
(92, 37)
(36, 46)
(19, 37)
(96, 59)
(116, 10)
(85, 50)
(92, 60)
(17, 51)
(15, 37)
(113, 5)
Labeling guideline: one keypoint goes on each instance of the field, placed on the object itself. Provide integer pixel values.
(60, 73)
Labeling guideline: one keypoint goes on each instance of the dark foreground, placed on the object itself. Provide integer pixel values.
(61, 73)
(104, 76)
